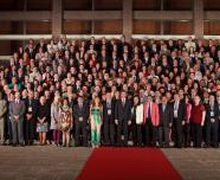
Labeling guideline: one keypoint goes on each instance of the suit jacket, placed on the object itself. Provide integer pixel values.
(3, 108)
(166, 117)
(17, 109)
(81, 112)
(208, 112)
(123, 113)
(109, 112)
(34, 107)
(154, 113)
(181, 113)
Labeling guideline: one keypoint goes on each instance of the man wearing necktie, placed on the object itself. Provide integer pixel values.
(108, 117)
(122, 118)
(212, 124)
(81, 115)
(17, 111)
(166, 120)
(179, 114)
(31, 118)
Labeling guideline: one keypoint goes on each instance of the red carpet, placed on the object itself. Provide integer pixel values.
(128, 164)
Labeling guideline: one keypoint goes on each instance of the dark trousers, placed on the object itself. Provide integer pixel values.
(122, 129)
(186, 134)
(212, 134)
(164, 136)
(80, 131)
(29, 131)
(178, 129)
(133, 132)
(197, 134)
(109, 131)
(150, 132)
(139, 134)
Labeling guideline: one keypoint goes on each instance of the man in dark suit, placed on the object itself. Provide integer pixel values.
(166, 120)
(212, 124)
(122, 117)
(108, 117)
(30, 120)
(81, 115)
(17, 112)
(179, 116)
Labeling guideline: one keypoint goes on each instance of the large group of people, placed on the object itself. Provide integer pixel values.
(77, 92)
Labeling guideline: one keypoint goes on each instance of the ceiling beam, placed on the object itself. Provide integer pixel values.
(25, 15)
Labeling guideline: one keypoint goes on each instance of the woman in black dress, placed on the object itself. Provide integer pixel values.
(42, 120)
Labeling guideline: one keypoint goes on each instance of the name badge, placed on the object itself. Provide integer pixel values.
(80, 118)
(109, 111)
(212, 114)
(30, 109)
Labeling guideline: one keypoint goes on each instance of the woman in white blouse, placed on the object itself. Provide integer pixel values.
(137, 116)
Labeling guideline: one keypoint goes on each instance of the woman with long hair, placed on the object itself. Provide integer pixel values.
(54, 120)
(96, 114)
(65, 121)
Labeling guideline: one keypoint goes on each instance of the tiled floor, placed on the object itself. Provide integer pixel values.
(195, 164)
(41, 163)
(54, 163)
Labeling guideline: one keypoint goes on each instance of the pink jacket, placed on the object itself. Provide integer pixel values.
(154, 113)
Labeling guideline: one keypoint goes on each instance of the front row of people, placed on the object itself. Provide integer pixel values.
(113, 121)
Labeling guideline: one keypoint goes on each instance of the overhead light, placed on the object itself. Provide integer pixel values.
(184, 20)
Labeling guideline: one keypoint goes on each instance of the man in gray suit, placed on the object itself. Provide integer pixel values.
(3, 110)
(17, 111)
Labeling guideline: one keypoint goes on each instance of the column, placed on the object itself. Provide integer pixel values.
(198, 19)
(127, 19)
(57, 18)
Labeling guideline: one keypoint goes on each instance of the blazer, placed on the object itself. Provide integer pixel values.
(34, 107)
(17, 109)
(123, 113)
(3, 108)
(109, 112)
(166, 117)
(181, 114)
(208, 112)
(81, 112)
(154, 113)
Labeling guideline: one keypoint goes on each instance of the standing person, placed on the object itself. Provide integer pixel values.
(137, 119)
(188, 121)
(96, 115)
(3, 110)
(54, 120)
(81, 116)
(65, 122)
(108, 118)
(166, 120)
(17, 112)
(212, 123)
(179, 115)
(42, 120)
(198, 119)
(122, 118)
(150, 120)
(31, 116)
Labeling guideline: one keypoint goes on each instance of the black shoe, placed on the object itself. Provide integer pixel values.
(14, 145)
(22, 144)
